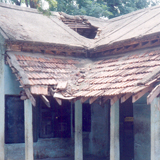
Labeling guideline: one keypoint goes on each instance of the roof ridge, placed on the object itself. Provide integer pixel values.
(19, 8)
(132, 13)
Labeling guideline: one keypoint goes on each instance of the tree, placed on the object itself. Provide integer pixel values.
(96, 8)
(121, 7)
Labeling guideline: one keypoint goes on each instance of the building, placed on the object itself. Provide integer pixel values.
(78, 85)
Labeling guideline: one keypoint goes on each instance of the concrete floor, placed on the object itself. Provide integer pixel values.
(85, 158)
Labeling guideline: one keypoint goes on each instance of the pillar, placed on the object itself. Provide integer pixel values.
(114, 132)
(28, 130)
(2, 108)
(78, 131)
(155, 129)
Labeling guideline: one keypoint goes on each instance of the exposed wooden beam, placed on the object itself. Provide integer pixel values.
(105, 99)
(52, 91)
(83, 99)
(46, 101)
(91, 100)
(114, 100)
(59, 101)
(29, 95)
(125, 97)
(155, 92)
(140, 94)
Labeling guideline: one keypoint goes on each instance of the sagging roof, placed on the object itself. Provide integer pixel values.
(133, 31)
(19, 24)
(122, 76)
(130, 29)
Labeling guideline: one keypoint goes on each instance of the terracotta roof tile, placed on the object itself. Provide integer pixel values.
(107, 76)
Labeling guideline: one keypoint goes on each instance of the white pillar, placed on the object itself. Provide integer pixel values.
(28, 130)
(114, 132)
(2, 108)
(155, 129)
(78, 131)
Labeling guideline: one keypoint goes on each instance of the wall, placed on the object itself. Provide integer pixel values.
(95, 142)
(11, 84)
(142, 142)
(99, 137)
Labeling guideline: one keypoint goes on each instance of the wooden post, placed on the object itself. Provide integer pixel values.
(114, 132)
(78, 131)
(155, 129)
(28, 130)
(2, 108)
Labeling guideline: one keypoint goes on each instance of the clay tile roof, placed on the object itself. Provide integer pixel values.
(78, 77)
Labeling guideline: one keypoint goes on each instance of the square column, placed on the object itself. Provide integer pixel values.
(155, 129)
(28, 130)
(2, 109)
(78, 154)
(114, 132)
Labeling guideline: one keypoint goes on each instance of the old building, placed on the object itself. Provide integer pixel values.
(78, 85)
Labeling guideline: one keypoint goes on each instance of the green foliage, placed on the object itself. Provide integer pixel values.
(95, 8)
(121, 7)
(82, 7)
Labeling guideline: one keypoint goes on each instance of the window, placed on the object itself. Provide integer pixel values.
(14, 119)
(55, 121)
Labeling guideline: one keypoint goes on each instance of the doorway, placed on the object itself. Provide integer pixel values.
(126, 130)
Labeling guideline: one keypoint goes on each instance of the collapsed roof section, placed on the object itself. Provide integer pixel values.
(27, 27)
(86, 26)
(132, 74)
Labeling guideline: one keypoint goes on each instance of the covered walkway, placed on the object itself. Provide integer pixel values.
(72, 158)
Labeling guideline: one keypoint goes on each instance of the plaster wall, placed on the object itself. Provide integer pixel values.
(44, 148)
(11, 84)
(142, 144)
(100, 136)
(95, 142)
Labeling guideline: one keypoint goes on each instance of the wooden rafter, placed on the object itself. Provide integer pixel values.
(125, 97)
(91, 100)
(84, 99)
(59, 101)
(141, 93)
(114, 99)
(46, 101)
(30, 96)
(105, 99)
(155, 92)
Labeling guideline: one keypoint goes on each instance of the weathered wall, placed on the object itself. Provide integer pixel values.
(142, 144)
(99, 136)
(11, 84)
(95, 142)
(45, 148)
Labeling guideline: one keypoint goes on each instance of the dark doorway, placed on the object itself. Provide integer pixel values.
(126, 131)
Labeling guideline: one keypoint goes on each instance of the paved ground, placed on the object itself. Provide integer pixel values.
(71, 158)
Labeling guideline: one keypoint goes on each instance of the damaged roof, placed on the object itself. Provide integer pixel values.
(72, 77)
(104, 74)
(25, 24)
(132, 31)
(130, 28)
